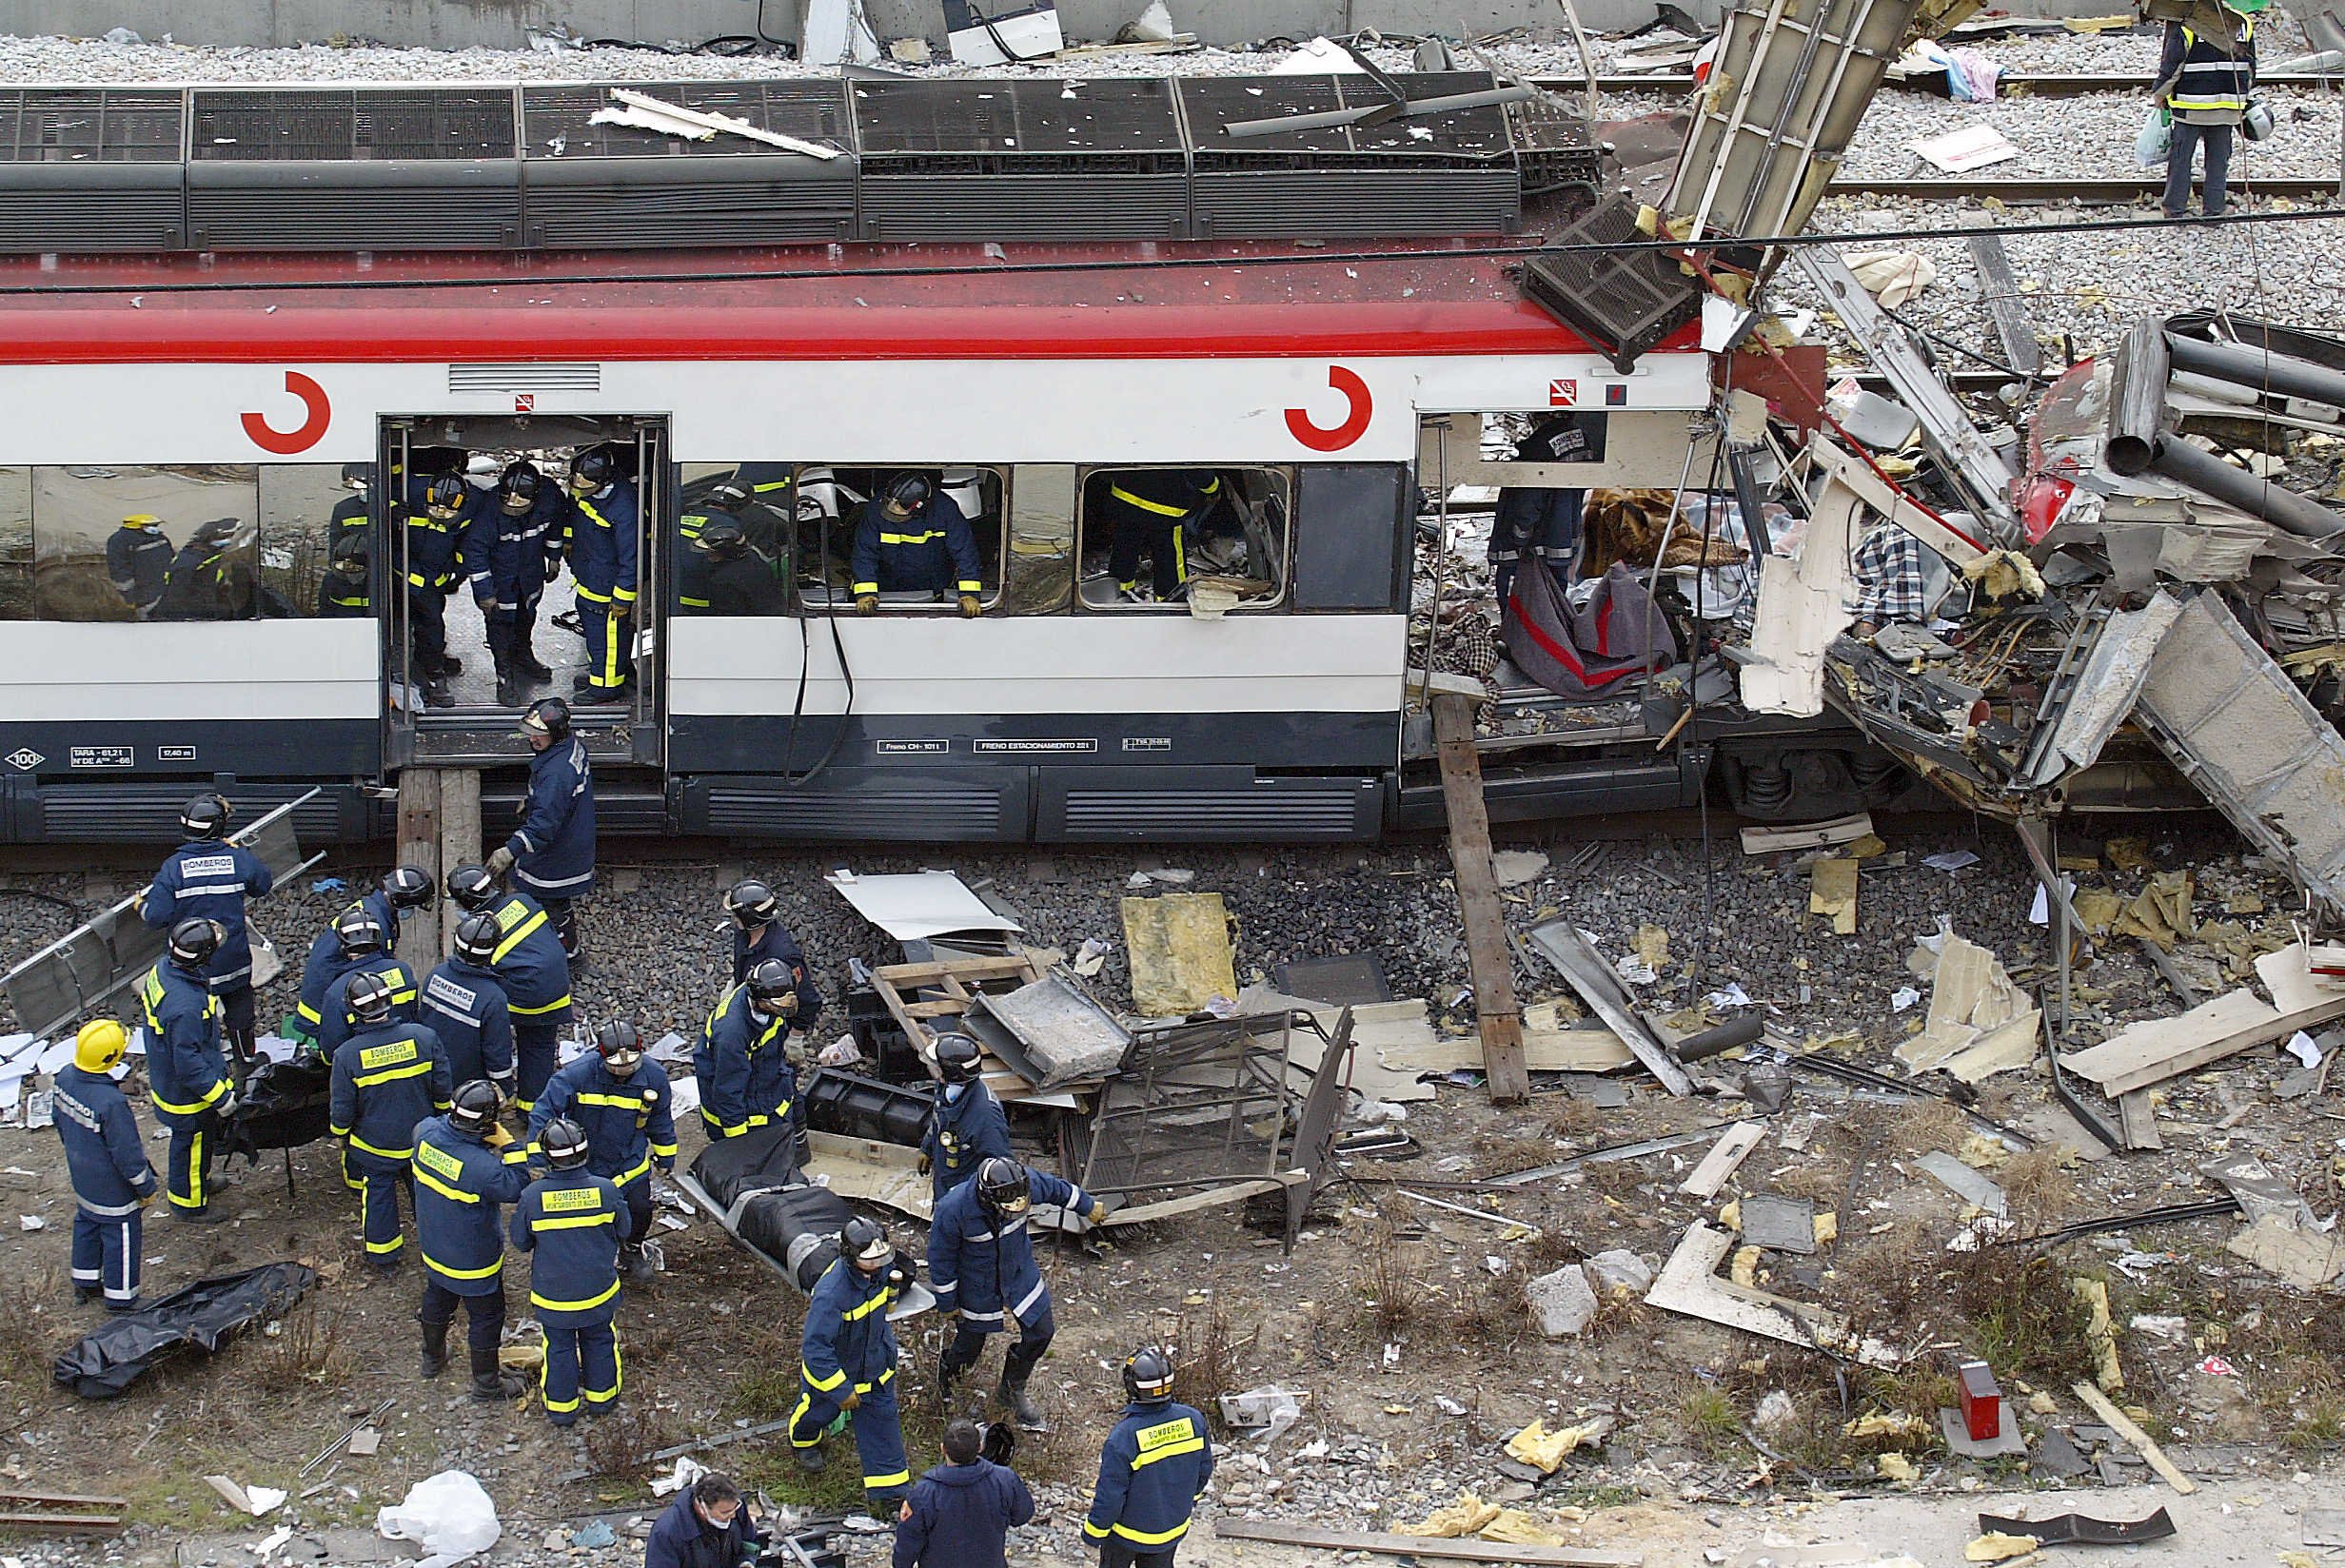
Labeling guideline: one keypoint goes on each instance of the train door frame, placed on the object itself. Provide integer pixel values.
(486, 734)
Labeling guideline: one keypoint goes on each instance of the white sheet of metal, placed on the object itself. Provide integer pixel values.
(215, 670)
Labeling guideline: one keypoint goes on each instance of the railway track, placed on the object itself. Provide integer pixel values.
(2019, 84)
(2100, 189)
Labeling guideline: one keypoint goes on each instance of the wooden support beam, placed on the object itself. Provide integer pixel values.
(1421, 1546)
(460, 841)
(419, 846)
(1489, 957)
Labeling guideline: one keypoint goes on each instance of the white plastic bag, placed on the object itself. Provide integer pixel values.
(448, 1515)
(2155, 136)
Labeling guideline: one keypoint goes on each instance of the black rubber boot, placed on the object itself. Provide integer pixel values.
(810, 1461)
(435, 1349)
(1024, 1411)
(947, 1375)
(491, 1383)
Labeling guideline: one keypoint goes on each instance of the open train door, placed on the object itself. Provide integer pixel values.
(434, 623)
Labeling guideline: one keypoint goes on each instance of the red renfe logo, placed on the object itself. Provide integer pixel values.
(317, 413)
(1334, 438)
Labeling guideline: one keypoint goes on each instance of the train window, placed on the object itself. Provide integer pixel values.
(1038, 576)
(852, 558)
(306, 511)
(1353, 525)
(741, 570)
(1151, 535)
(132, 543)
(15, 544)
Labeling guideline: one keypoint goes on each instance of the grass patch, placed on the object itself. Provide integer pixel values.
(1206, 1353)
(311, 1349)
(1713, 1423)
(2025, 1319)
(1394, 1298)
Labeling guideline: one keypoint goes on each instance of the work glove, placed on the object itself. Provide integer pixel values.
(620, 608)
(229, 1102)
(788, 1005)
(498, 1135)
(851, 1400)
(1099, 1213)
(146, 1201)
(970, 607)
(794, 1050)
(867, 604)
(501, 861)
(926, 1165)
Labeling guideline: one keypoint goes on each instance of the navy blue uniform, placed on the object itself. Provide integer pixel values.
(187, 1077)
(335, 1024)
(209, 879)
(968, 1125)
(990, 1276)
(743, 1067)
(435, 566)
(959, 1515)
(627, 1121)
(848, 1345)
(572, 1224)
(932, 551)
(1544, 525)
(138, 562)
(328, 964)
(112, 1183)
(1151, 1473)
(197, 587)
(535, 969)
(1150, 509)
(460, 1184)
(683, 1539)
(388, 1080)
(466, 1007)
(343, 598)
(771, 941)
(510, 560)
(603, 561)
(554, 848)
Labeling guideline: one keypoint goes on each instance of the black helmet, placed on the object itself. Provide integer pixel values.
(727, 494)
(721, 537)
(909, 491)
(590, 471)
(358, 933)
(1002, 1186)
(472, 887)
(620, 1047)
(218, 530)
(520, 485)
(956, 1057)
(477, 935)
(351, 557)
(768, 980)
(563, 1144)
(548, 716)
(206, 816)
(357, 476)
(370, 999)
(1148, 1376)
(750, 902)
(476, 1106)
(408, 888)
(446, 496)
(194, 940)
(865, 1246)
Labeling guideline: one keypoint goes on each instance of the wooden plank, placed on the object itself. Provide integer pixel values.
(1489, 958)
(1762, 840)
(2140, 1120)
(2001, 290)
(11, 1494)
(2140, 1054)
(1730, 1150)
(2122, 1424)
(1832, 893)
(1389, 1544)
(1688, 1284)
(419, 846)
(460, 841)
(1210, 1197)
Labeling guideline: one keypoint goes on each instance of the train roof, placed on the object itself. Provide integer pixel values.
(854, 301)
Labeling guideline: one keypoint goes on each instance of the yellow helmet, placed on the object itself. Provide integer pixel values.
(142, 519)
(99, 1046)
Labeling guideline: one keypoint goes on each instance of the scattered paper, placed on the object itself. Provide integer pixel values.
(31, 1222)
(1904, 997)
(1961, 151)
(2302, 1046)
(1951, 860)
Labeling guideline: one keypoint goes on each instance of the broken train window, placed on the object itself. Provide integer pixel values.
(1150, 536)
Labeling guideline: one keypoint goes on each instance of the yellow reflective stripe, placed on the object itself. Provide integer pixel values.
(912, 538)
(457, 1194)
(866, 587)
(593, 598)
(439, 1268)
(1156, 506)
(413, 1069)
(574, 1222)
(823, 1385)
(624, 596)
(391, 1246)
(306, 1014)
(1194, 1446)
(618, 1102)
(901, 1477)
(1145, 1537)
(209, 1099)
(559, 1002)
(664, 1151)
(513, 939)
(691, 603)
(587, 1305)
(359, 1143)
(855, 1314)
(640, 1167)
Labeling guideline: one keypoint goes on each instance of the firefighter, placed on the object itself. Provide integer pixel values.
(573, 1224)
(201, 585)
(186, 1075)
(344, 589)
(968, 1124)
(533, 966)
(724, 576)
(981, 1263)
(912, 539)
(442, 515)
(1152, 1470)
(847, 1362)
(620, 1098)
(138, 561)
(464, 1167)
(366, 951)
(759, 935)
(405, 891)
(389, 1077)
(743, 1065)
(552, 854)
(718, 503)
(208, 878)
(1151, 510)
(465, 1005)
(513, 554)
(604, 511)
(112, 1182)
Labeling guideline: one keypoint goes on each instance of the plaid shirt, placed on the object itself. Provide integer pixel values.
(1887, 567)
